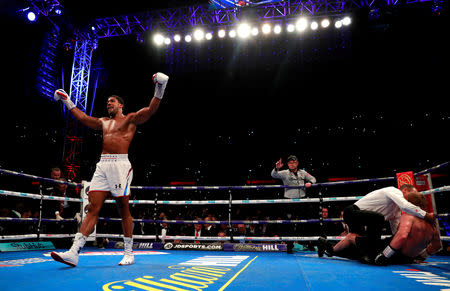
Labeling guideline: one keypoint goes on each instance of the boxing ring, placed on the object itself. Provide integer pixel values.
(230, 262)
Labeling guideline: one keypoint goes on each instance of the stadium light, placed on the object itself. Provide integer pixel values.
(301, 24)
(338, 24)
(266, 28)
(31, 16)
(177, 38)
(158, 39)
(232, 33)
(199, 34)
(277, 29)
(346, 21)
(243, 30)
(255, 31)
(208, 35)
(221, 33)
(188, 38)
(325, 23)
(290, 28)
(314, 25)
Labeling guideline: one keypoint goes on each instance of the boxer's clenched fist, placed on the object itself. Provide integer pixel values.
(60, 94)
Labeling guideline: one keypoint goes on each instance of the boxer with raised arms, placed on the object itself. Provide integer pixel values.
(113, 173)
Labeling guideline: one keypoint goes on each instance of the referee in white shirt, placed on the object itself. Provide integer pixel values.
(366, 217)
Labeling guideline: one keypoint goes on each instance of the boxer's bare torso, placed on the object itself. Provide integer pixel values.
(118, 132)
(118, 129)
(421, 234)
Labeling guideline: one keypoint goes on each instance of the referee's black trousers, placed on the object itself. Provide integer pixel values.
(368, 224)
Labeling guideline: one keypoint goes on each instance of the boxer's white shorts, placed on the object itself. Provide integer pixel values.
(113, 174)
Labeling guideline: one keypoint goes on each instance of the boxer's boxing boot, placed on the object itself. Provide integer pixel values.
(71, 256)
(128, 258)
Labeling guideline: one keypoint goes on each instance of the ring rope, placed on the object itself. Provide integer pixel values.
(29, 236)
(246, 187)
(39, 196)
(45, 197)
(150, 221)
(436, 190)
(432, 169)
(172, 221)
(277, 221)
(16, 219)
(206, 202)
(14, 173)
(177, 237)
(326, 184)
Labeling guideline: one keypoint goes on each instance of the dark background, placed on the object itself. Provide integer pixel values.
(368, 101)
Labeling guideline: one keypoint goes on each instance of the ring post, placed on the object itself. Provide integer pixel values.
(84, 207)
(322, 232)
(230, 229)
(40, 210)
(155, 216)
(430, 186)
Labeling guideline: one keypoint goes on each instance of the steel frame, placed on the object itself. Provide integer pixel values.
(174, 19)
(81, 68)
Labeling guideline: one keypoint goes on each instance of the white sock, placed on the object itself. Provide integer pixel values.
(78, 242)
(128, 245)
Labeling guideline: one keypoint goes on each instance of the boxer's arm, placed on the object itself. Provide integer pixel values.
(435, 244)
(397, 242)
(403, 231)
(89, 121)
(145, 113)
(433, 247)
(92, 122)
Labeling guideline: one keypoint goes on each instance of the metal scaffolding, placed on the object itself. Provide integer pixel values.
(174, 19)
(79, 85)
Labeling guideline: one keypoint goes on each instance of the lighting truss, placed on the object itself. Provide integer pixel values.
(47, 72)
(44, 7)
(79, 84)
(184, 17)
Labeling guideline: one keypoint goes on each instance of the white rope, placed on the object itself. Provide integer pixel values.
(38, 196)
(17, 237)
(179, 237)
(436, 190)
(212, 202)
(36, 219)
(225, 238)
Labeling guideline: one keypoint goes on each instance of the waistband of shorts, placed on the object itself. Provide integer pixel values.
(113, 157)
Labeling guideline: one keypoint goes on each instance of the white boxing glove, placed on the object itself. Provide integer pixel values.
(160, 81)
(60, 94)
